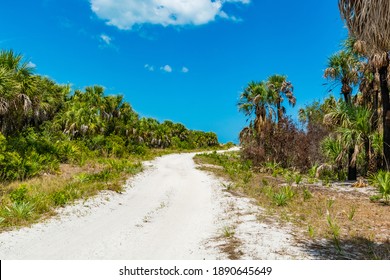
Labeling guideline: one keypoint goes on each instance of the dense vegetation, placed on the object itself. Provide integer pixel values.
(294, 170)
(45, 129)
(330, 221)
(344, 136)
(351, 135)
(43, 124)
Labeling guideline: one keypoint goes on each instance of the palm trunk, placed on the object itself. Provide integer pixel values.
(386, 117)
(367, 155)
(352, 171)
(375, 115)
(375, 159)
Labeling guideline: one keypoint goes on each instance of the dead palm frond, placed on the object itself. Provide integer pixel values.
(368, 21)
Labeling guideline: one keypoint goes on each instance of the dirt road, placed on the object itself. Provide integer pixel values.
(170, 211)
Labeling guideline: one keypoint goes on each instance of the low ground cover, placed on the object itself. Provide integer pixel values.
(328, 220)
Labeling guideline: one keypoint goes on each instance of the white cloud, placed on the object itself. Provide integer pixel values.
(149, 67)
(124, 14)
(31, 64)
(106, 39)
(167, 68)
(185, 70)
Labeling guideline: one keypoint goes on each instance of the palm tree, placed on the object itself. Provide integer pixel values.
(333, 150)
(368, 23)
(343, 69)
(17, 87)
(256, 100)
(354, 130)
(280, 88)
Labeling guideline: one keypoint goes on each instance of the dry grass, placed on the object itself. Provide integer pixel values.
(30, 201)
(328, 222)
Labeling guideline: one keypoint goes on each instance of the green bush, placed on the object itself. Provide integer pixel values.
(382, 181)
(11, 166)
(19, 211)
(19, 195)
(280, 199)
(61, 198)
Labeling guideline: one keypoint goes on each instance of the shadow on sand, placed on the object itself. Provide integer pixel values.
(350, 249)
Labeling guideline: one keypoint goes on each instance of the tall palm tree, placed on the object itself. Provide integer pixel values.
(256, 100)
(281, 88)
(368, 23)
(343, 69)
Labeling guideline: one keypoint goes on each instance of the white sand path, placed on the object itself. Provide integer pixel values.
(170, 211)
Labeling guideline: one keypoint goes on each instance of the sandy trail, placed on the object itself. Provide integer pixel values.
(170, 211)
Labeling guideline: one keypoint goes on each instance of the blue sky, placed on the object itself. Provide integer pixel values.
(182, 60)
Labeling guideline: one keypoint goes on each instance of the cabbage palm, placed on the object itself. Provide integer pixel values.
(332, 148)
(343, 69)
(17, 89)
(368, 23)
(281, 88)
(256, 100)
(354, 131)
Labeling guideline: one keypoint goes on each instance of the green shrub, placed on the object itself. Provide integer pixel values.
(280, 199)
(298, 178)
(19, 211)
(61, 198)
(67, 151)
(11, 166)
(19, 195)
(288, 191)
(382, 181)
(307, 194)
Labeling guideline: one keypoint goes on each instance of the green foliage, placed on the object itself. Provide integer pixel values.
(307, 194)
(382, 181)
(280, 199)
(231, 162)
(43, 125)
(312, 171)
(335, 231)
(311, 231)
(228, 232)
(19, 195)
(329, 203)
(289, 177)
(19, 211)
(61, 198)
(68, 151)
(298, 178)
(351, 213)
(288, 191)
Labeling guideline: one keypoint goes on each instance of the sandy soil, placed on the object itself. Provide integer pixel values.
(170, 211)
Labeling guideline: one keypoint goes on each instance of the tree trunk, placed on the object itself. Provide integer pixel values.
(352, 171)
(375, 115)
(386, 117)
(375, 159)
(367, 156)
